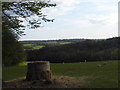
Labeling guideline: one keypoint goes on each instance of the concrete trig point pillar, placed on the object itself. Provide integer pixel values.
(39, 70)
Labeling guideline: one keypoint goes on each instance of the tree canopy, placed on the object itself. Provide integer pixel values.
(12, 11)
(86, 50)
(12, 27)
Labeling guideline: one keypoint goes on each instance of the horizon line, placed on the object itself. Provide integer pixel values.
(61, 39)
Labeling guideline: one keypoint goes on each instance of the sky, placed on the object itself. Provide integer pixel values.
(78, 19)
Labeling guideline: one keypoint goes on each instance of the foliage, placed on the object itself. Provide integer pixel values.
(12, 50)
(89, 50)
(12, 11)
(12, 27)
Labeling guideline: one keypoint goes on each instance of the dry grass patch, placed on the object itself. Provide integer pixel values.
(58, 82)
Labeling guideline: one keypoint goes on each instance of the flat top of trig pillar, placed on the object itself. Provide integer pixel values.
(38, 62)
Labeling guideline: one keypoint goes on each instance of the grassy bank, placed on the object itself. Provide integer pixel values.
(98, 74)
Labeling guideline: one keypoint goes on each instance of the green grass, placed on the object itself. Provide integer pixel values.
(22, 64)
(14, 72)
(28, 45)
(62, 43)
(38, 47)
(105, 76)
(96, 77)
(33, 46)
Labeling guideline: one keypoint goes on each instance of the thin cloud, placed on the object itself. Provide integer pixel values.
(97, 20)
(93, 21)
(62, 8)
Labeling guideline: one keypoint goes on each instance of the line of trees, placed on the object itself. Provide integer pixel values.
(89, 50)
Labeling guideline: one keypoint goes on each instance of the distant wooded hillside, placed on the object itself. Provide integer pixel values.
(51, 41)
(87, 50)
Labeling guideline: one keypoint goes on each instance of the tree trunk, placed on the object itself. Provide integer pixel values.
(39, 70)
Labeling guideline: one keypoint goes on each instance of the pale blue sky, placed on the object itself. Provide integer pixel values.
(96, 19)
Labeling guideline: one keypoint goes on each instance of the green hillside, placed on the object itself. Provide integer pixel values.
(102, 74)
(89, 50)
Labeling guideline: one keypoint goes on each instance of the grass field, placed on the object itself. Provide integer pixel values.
(62, 43)
(33, 46)
(102, 74)
(36, 46)
(28, 45)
